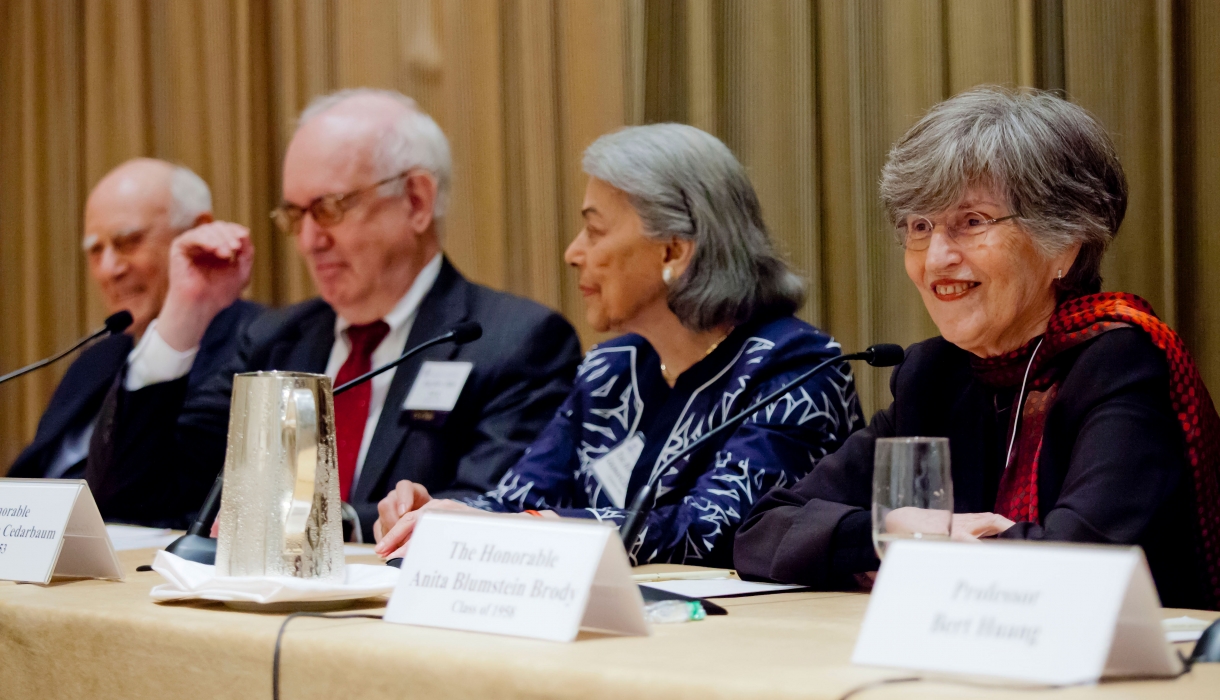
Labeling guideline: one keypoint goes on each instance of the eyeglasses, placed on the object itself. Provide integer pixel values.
(966, 228)
(327, 210)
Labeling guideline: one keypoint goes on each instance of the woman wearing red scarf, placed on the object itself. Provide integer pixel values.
(1004, 203)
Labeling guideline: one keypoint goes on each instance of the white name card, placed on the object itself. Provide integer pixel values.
(613, 469)
(1043, 613)
(521, 576)
(437, 386)
(51, 527)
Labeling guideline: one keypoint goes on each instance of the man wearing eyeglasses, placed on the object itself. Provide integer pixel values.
(365, 187)
(132, 217)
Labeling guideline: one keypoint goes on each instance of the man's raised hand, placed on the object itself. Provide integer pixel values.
(209, 266)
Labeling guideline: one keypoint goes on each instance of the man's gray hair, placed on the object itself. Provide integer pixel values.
(684, 182)
(1052, 162)
(189, 197)
(416, 141)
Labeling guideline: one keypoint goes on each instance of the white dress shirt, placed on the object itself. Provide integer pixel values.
(400, 319)
(153, 360)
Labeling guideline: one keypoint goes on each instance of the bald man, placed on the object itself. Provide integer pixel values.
(132, 217)
(365, 188)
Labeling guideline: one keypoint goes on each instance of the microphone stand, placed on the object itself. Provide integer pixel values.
(197, 545)
(882, 355)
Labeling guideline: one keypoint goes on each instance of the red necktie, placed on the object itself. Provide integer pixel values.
(352, 406)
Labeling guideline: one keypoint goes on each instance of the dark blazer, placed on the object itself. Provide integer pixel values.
(80, 393)
(523, 368)
(1112, 468)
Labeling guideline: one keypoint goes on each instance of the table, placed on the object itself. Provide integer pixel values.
(105, 639)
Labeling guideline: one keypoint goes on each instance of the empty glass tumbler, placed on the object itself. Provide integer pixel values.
(912, 490)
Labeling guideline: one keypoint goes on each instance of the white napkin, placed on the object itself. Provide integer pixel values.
(188, 580)
(1184, 629)
(125, 537)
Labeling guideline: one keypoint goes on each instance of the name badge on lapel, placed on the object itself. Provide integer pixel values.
(613, 469)
(436, 389)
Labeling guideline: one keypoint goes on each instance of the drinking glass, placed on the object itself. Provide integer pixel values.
(912, 490)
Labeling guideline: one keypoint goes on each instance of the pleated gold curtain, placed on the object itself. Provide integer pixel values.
(809, 93)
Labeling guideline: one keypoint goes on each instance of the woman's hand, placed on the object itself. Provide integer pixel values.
(406, 497)
(910, 520)
(969, 527)
(394, 542)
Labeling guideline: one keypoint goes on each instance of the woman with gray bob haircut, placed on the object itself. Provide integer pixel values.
(674, 255)
(1072, 415)
(684, 182)
(1050, 160)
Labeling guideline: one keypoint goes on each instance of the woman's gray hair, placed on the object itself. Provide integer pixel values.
(684, 182)
(416, 141)
(1051, 160)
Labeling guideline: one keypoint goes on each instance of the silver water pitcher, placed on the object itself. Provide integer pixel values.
(280, 513)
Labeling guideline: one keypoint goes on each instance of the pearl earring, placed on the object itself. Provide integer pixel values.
(667, 275)
(1060, 275)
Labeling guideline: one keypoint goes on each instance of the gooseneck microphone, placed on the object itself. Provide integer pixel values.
(880, 355)
(116, 323)
(461, 334)
(196, 545)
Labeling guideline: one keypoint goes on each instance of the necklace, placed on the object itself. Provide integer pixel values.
(711, 348)
(1020, 397)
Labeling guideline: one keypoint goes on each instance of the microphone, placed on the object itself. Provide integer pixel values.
(461, 334)
(196, 545)
(880, 355)
(116, 323)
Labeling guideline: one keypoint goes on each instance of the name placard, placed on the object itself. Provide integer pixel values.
(51, 527)
(437, 386)
(521, 576)
(1043, 613)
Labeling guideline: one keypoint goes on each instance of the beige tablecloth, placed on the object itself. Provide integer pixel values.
(99, 639)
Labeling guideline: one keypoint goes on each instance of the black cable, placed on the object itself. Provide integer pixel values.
(275, 660)
(980, 684)
(1187, 663)
(955, 681)
(877, 684)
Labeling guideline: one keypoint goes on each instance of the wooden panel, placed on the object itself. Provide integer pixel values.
(840, 291)
(535, 238)
(367, 43)
(895, 71)
(702, 49)
(1197, 205)
(983, 43)
(40, 222)
(115, 123)
(472, 118)
(591, 45)
(301, 48)
(768, 119)
(1111, 68)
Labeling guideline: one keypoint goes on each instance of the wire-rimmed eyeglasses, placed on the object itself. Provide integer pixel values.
(964, 228)
(327, 210)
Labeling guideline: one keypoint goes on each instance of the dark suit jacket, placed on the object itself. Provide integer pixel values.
(523, 368)
(1112, 468)
(79, 396)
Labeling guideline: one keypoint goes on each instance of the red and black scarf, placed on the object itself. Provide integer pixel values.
(1076, 321)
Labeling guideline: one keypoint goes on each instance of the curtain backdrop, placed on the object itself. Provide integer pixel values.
(808, 93)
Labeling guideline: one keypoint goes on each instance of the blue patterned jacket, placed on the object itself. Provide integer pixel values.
(701, 500)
